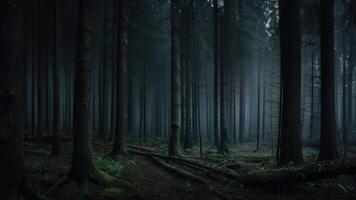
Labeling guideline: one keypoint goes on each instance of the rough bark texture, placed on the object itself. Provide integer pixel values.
(328, 122)
(82, 156)
(176, 82)
(12, 173)
(121, 99)
(290, 148)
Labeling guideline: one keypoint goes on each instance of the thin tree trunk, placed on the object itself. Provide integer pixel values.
(56, 146)
(175, 81)
(216, 73)
(258, 108)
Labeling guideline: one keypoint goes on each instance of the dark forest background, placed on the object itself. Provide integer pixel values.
(258, 91)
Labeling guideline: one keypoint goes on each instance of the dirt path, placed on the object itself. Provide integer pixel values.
(156, 183)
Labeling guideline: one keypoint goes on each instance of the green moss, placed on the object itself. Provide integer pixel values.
(82, 191)
(113, 193)
(112, 166)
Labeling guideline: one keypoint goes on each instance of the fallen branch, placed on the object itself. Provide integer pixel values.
(226, 172)
(303, 173)
(180, 172)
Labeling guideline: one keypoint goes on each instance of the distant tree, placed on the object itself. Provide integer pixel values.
(56, 143)
(242, 109)
(175, 81)
(328, 122)
(104, 97)
(189, 65)
(290, 141)
(121, 99)
(216, 73)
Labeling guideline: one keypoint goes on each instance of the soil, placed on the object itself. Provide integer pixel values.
(154, 182)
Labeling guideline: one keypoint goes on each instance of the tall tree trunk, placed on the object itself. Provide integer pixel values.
(34, 65)
(82, 161)
(40, 71)
(189, 70)
(242, 120)
(216, 73)
(12, 171)
(311, 125)
(175, 81)
(258, 108)
(121, 99)
(327, 149)
(56, 146)
(290, 147)
(103, 121)
(223, 66)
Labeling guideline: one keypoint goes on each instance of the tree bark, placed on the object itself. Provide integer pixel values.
(13, 182)
(82, 161)
(121, 99)
(216, 73)
(56, 144)
(175, 81)
(328, 123)
(290, 146)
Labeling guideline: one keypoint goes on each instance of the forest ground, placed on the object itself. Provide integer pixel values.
(156, 178)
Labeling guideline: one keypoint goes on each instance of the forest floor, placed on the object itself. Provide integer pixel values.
(161, 178)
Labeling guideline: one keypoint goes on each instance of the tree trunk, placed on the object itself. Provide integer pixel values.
(12, 171)
(297, 174)
(175, 81)
(103, 120)
(56, 145)
(223, 65)
(258, 108)
(189, 67)
(290, 146)
(216, 73)
(242, 120)
(328, 124)
(121, 99)
(82, 161)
